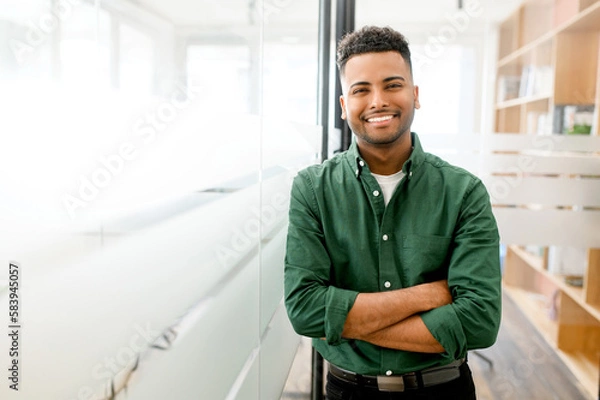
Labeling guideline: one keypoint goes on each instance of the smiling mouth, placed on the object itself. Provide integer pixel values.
(380, 119)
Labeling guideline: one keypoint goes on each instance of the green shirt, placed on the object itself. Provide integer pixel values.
(343, 240)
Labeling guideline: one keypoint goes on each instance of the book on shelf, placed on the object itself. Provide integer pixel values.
(526, 87)
(536, 80)
(543, 82)
(539, 123)
(567, 260)
(573, 119)
(508, 87)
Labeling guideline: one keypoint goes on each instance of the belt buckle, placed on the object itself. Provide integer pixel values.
(390, 383)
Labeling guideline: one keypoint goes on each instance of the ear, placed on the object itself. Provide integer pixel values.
(343, 105)
(416, 97)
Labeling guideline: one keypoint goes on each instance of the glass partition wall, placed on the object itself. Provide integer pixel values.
(148, 150)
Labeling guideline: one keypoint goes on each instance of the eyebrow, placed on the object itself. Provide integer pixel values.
(388, 79)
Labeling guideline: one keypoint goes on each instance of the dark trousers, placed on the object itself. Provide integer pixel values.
(462, 388)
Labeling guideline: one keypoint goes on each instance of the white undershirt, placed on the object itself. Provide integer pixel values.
(388, 184)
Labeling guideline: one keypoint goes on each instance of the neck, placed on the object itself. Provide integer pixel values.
(386, 159)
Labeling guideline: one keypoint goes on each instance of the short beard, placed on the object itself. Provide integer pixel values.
(380, 141)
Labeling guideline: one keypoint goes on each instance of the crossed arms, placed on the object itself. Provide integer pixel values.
(390, 319)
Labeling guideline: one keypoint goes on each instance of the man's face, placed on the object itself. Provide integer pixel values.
(379, 97)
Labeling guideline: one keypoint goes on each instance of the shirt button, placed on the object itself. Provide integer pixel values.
(376, 193)
(361, 163)
(385, 237)
(387, 284)
(388, 372)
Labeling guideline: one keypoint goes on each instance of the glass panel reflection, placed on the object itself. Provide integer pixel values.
(136, 184)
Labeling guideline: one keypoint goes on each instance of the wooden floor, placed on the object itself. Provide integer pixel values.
(524, 366)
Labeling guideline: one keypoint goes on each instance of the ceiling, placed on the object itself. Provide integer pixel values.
(186, 13)
(429, 11)
(283, 18)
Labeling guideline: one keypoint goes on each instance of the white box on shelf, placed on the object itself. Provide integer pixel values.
(567, 260)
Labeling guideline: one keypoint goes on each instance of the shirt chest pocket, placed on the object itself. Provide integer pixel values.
(425, 258)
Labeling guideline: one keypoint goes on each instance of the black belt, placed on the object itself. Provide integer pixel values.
(399, 383)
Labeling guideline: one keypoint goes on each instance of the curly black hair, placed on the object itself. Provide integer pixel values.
(372, 39)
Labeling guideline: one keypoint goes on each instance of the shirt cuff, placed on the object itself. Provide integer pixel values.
(444, 325)
(338, 303)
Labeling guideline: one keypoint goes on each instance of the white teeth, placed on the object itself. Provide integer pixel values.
(379, 119)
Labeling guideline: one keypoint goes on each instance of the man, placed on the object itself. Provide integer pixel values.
(392, 261)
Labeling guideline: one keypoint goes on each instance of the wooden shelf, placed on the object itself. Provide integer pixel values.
(550, 47)
(583, 365)
(573, 292)
(522, 100)
(587, 20)
(536, 262)
(558, 311)
(522, 52)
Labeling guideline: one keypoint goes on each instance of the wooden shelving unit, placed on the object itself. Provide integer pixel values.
(562, 313)
(549, 58)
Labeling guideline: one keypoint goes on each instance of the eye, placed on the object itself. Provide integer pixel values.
(395, 85)
(359, 90)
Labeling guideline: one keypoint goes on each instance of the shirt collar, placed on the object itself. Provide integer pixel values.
(412, 164)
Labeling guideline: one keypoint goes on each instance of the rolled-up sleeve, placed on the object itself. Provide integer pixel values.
(315, 308)
(472, 321)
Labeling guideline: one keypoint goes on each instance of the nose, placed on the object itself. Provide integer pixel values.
(379, 99)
